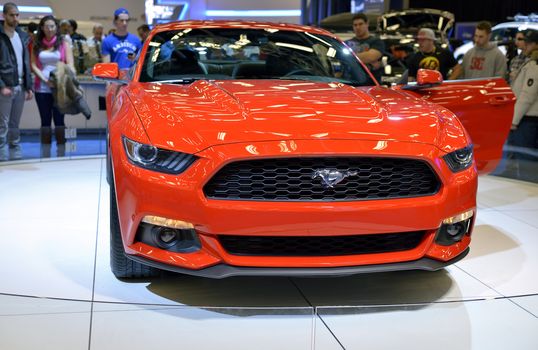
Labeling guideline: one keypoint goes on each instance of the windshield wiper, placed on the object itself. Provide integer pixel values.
(319, 79)
(178, 81)
(297, 77)
(354, 83)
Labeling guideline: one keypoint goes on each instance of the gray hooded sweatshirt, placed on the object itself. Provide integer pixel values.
(484, 62)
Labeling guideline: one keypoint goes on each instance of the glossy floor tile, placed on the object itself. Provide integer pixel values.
(55, 229)
(507, 194)
(37, 323)
(394, 288)
(484, 324)
(49, 214)
(529, 303)
(135, 326)
(504, 254)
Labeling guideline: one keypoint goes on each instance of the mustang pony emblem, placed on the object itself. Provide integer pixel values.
(332, 177)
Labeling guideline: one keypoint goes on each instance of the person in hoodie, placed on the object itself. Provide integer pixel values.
(525, 86)
(485, 59)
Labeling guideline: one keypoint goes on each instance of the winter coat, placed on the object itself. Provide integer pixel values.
(9, 75)
(526, 90)
(67, 93)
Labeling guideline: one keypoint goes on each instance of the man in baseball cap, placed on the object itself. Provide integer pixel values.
(121, 47)
(430, 56)
(120, 11)
(426, 34)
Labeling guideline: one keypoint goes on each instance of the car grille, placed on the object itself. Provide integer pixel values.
(291, 179)
(321, 246)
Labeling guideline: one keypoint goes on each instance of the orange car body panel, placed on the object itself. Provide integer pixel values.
(428, 76)
(230, 120)
(484, 107)
(105, 71)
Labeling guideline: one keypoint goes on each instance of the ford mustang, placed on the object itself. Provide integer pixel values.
(246, 148)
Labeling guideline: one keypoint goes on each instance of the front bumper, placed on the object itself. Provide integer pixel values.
(141, 192)
(224, 271)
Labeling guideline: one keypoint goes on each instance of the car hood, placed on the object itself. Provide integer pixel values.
(202, 114)
(411, 20)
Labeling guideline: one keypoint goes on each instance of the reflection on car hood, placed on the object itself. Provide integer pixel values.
(196, 116)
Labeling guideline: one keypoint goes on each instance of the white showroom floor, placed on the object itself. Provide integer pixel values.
(57, 291)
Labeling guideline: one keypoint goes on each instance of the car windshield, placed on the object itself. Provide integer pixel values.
(503, 34)
(183, 56)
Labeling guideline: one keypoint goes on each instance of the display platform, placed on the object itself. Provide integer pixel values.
(57, 285)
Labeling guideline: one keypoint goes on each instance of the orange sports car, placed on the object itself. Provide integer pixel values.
(243, 148)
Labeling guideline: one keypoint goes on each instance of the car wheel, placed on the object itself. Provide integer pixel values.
(123, 267)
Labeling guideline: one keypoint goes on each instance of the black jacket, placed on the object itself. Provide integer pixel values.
(9, 75)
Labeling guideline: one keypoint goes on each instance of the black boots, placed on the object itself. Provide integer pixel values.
(59, 132)
(46, 140)
(46, 136)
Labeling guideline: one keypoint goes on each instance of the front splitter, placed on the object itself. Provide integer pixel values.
(223, 270)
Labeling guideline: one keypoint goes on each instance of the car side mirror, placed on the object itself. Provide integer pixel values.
(426, 78)
(429, 77)
(107, 72)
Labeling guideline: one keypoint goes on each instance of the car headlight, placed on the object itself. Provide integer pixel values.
(157, 159)
(460, 159)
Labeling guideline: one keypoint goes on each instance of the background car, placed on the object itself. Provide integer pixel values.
(244, 148)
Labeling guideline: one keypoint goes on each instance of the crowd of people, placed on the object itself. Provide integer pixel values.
(30, 65)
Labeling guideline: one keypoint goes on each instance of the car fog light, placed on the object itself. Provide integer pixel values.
(164, 237)
(168, 234)
(454, 228)
(458, 218)
(158, 221)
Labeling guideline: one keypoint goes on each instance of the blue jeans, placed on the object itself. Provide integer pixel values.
(525, 136)
(47, 111)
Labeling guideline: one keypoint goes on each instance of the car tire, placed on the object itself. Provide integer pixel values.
(123, 267)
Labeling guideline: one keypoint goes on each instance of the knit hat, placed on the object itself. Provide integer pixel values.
(426, 33)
